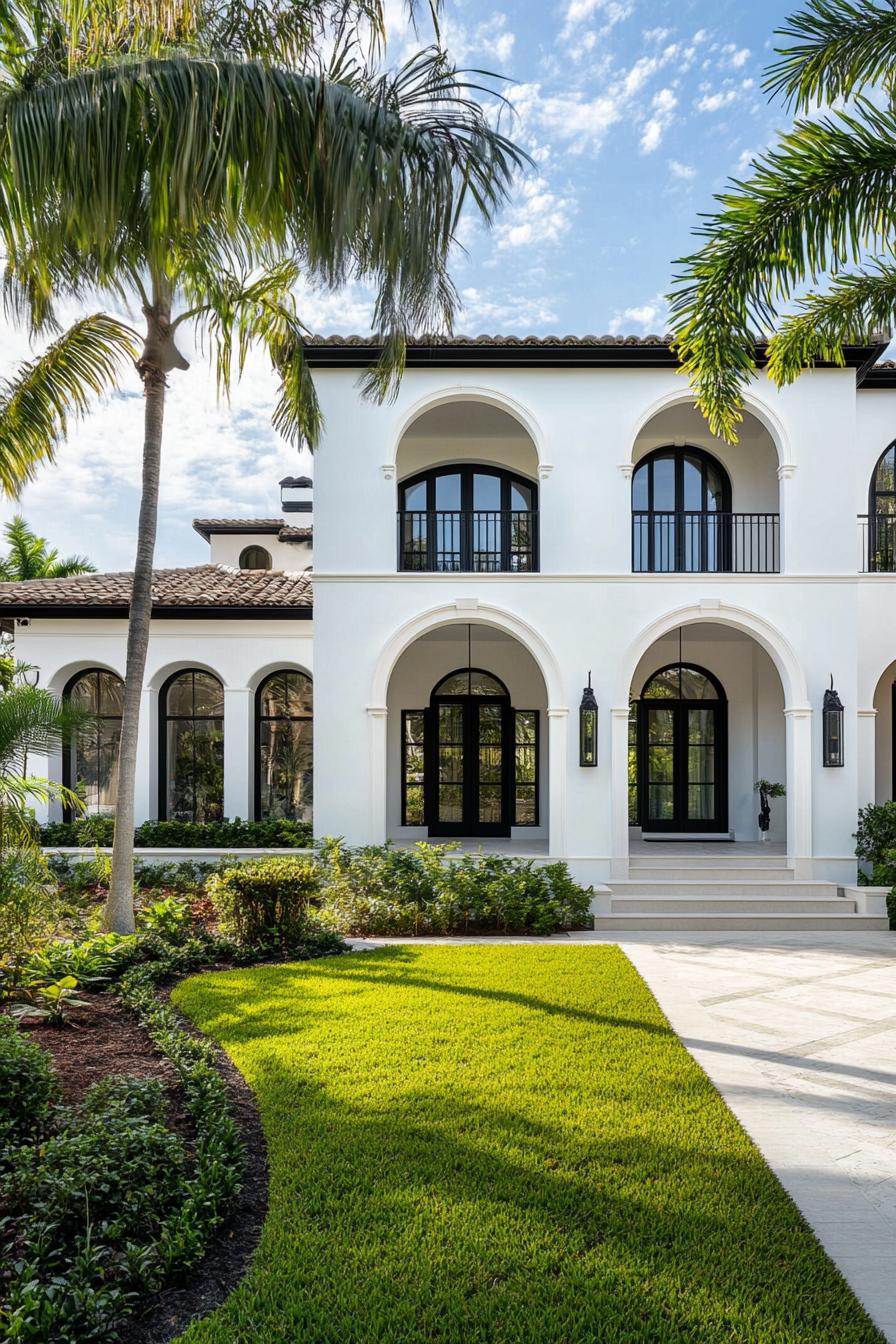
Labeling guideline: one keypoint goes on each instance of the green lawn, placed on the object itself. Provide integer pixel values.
(501, 1144)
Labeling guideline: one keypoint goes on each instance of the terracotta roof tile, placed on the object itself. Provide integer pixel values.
(541, 341)
(203, 586)
(278, 527)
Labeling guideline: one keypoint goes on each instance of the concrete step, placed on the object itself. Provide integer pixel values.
(727, 905)
(730, 873)
(842, 923)
(745, 888)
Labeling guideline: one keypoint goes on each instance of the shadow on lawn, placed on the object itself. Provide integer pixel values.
(533, 1209)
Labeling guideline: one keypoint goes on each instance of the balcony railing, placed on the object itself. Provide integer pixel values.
(877, 543)
(468, 541)
(705, 543)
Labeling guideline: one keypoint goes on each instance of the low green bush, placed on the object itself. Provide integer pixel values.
(267, 902)
(30, 911)
(876, 848)
(93, 961)
(280, 833)
(382, 890)
(28, 1088)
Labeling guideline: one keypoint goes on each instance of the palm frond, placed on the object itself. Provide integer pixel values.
(823, 323)
(32, 720)
(38, 403)
(839, 48)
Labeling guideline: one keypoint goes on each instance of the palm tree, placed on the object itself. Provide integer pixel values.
(31, 720)
(29, 558)
(196, 160)
(819, 204)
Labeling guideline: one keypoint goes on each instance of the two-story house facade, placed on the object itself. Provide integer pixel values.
(526, 517)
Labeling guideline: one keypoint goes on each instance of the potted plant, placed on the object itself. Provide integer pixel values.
(767, 790)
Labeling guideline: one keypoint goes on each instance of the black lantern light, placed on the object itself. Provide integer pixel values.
(832, 727)
(588, 727)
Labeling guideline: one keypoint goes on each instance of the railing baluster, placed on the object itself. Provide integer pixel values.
(708, 542)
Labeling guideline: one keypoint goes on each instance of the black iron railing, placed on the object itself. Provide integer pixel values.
(877, 543)
(705, 543)
(468, 541)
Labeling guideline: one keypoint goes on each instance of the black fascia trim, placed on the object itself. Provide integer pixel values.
(860, 357)
(878, 380)
(234, 529)
(168, 613)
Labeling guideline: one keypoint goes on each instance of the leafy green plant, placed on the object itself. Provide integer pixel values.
(168, 917)
(267, 902)
(279, 833)
(767, 790)
(30, 909)
(50, 1002)
(28, 1088)
(93, 961)
(876, 842)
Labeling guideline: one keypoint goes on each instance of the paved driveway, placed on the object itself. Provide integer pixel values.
(798, 1033)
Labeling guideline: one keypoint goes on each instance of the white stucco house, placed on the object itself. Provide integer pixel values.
(527, 514)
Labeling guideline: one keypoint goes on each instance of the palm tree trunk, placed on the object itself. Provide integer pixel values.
(159, 357)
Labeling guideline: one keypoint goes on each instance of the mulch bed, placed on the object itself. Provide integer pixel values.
(104, 1038)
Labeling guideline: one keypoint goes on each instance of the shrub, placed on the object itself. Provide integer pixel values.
(382, 890)
(265, 902)
(280, 833)
(876, 842)
(169, 917)
(28, 1088)
(30, 909)
(93, 961)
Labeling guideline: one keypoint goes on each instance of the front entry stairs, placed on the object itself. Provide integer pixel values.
(709, 892)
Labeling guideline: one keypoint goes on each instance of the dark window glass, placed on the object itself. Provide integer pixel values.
(486, 491)
(472, 682)
(664, 484)
(412, 767)
(468, 520)
(285, 746)
(255, 557)
(680, 683)
(448, 492)
(525, 776)
(415, 496)
(92, 758)
(193, 748)
(677, 495)
(633, 818)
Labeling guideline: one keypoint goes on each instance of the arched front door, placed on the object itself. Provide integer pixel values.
(470, 752)
(682, 751)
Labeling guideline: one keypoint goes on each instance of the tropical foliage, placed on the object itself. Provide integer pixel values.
(29, 556)
(196, 162)
(32, 721)
(806, 243)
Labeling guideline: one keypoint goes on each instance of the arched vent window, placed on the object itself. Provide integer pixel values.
(284, 774)
(191, 747)
(468, 519)
(255, 557)
(90, 760)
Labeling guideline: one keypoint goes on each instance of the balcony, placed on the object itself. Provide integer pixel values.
(706, 542)
(468, 541)
(877, 543)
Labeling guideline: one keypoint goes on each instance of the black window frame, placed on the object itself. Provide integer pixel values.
(405, 715)
(467, 471)
(536, 821)
(259, 718)
(255, 546)
(165, 718)
(680, 705)
(722, 541)
(882, 525)
(68, 779)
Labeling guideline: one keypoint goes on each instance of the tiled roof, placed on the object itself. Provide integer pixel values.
(200, 587)
(259, 526)
(539, 341)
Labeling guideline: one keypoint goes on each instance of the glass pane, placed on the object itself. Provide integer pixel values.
(525, 805)
(664, 483)
(84, 693)
(692, 483)
(715, 488)
(180, 695)
(701, 726)
(526, 721)
(660, 765)
(448, 491)
(520, 496)
(95, 764)
(287, 694)
(208, 694)
(490, 810)
(255, 557)
(450, 802)
(696, 686)
(640, 486)
(111, 694)
(413, 727)
(701, 802)
(413, 810)
(451, 723)
(486, 491)
(660, 725)
(415, 496)
(470, 683)
(679, 683)
(286, 768)
(525, 765)
(659, 802)
(491, 723)
(490, 763)
(451, 765)
(885, 476)
(633, 763)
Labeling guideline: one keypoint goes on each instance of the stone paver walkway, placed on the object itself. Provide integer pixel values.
(798, 1033)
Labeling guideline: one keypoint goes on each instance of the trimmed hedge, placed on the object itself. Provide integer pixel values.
(226, 834)
(267, 902)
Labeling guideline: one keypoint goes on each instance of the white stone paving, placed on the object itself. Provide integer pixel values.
(798, 1033)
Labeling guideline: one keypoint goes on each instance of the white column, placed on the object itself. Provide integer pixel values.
(146, 785)
(866, 752)
(377, 718)
(238, 750)
(557, 772)
(799, 790)
(619, 792)
(788, 558)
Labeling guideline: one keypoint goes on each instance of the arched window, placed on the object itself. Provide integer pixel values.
(191, 747)
(255, 557)
(681, 506)
(90, 759)
(681, 682)
(468, 519)
(284, 753)
(882, 514)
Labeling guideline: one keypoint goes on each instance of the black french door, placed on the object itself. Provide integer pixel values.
(469, 755)
(682, 765)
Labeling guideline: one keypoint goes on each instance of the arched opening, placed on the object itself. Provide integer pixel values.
(191, 747)
(706, 723)
(700, 505)
(467, 711)
(885, 736)
(284, 748)
(467, 492)
(255, 557)
(90, 758)
(881, 557)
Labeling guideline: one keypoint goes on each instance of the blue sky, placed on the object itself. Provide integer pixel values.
(635, 111)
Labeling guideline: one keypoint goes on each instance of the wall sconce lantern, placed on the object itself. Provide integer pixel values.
(832, 727)
(588, 727)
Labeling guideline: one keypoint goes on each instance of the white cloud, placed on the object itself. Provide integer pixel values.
(610, 13)
(712, 102)
(514, 311)
(651, 316)
(537, 215)
(684, 171)
(663, 107)
(740, 57)
(492, 38)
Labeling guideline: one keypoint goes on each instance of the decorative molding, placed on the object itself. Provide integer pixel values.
(786, 471)
(728, 581)
(388, 470)
(466, 604)
(377, 711)
(710, 604)
(627, 468)
(557, 712)
(544, 470)
(798, 712)
(866, 713)
(619, 713)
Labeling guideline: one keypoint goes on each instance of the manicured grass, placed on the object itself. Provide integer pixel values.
(499, 1145)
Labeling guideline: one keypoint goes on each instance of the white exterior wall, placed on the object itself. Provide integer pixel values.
(225, 548)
